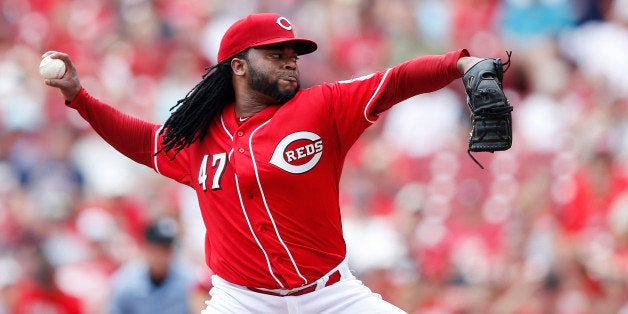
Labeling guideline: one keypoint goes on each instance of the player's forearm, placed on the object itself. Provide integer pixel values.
(127, 134)
(423, 75)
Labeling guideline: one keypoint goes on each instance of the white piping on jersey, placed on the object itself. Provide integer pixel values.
(224, 127)
(157, 137)
(248, 222)
(270, 216)
(222, 121)
(370, 102)
(155, 152)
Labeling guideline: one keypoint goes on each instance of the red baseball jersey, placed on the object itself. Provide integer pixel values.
(268, 187)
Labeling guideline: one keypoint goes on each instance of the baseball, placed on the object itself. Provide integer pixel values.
(51, 68)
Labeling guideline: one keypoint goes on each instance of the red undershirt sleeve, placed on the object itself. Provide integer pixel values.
(129, 135)
(420, 75)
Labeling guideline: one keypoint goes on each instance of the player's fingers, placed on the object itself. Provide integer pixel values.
(54, 54)
(63, 57)
(47, 53)
(60, 83)
(69, 87)
(67, 81)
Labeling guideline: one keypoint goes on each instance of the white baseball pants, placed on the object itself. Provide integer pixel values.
(348, 295)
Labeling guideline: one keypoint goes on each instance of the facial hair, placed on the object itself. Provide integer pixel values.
(263, 84)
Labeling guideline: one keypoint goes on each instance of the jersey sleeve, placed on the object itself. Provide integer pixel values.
(421, 75)
(357, 103)
(128, 135)
(136, 139)
(168, 164)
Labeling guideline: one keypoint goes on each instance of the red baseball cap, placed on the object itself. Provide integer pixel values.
(260, 30)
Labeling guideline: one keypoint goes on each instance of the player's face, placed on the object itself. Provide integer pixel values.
(272, 71)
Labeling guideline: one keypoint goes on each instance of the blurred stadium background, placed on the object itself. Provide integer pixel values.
(543, 229)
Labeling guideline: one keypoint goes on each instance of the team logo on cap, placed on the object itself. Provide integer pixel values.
(284, 23)
(298, 152)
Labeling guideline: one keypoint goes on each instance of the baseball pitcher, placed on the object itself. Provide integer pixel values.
(265, 158)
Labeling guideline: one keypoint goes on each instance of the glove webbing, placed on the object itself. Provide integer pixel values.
(495, 113)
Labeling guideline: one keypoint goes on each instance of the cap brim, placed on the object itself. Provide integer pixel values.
(301, 45)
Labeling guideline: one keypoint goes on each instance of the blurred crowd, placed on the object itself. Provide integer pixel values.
(542, 229)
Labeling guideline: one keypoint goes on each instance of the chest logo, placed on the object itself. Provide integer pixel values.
(298, 152)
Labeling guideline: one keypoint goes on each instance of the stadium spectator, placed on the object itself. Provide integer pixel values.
(158, 283)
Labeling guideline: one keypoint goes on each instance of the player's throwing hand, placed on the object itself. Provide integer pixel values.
(69, 83)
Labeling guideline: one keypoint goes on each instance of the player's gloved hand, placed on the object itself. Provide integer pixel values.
(490, 111)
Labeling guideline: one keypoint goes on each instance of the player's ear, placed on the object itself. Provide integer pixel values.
(238, 66)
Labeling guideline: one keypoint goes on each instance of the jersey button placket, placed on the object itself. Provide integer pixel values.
(240, 141)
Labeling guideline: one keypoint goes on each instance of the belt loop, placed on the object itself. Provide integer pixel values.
(321, 282)
(345, 271)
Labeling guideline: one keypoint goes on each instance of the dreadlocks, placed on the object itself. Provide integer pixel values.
(193, 114)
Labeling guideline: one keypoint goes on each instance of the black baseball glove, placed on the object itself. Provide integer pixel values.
(490, 111)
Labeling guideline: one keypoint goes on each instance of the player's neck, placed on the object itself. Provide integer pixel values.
(247, 112)
(246, 107)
